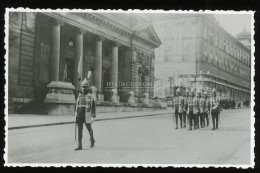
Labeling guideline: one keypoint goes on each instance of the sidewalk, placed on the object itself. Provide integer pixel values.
(17, 121)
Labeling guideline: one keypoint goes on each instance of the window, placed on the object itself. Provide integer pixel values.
(224, 45)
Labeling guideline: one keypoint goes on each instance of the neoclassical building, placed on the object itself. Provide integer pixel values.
(196, 44)
(46, 47)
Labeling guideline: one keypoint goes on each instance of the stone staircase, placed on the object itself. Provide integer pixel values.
(34, 107)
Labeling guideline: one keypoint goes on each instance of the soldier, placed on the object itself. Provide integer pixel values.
(198, 109)
(214, 109)
(202, 107)
(191, 115)
(85, 113)
(185, 106)
(178, 107)
(206, 107)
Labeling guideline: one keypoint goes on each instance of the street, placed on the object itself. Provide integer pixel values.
(141, 140)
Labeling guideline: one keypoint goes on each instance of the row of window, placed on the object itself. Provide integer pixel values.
(226, 63)
(226, 45)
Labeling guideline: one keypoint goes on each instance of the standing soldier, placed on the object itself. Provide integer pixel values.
(185, 106)
(191, 115)
(214, 109)
(198, 115)
(178, 107)
(196, 111)
(85, 113)
(207, 107)
(202, 108)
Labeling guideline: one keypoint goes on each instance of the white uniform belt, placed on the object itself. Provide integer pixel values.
(81, 105)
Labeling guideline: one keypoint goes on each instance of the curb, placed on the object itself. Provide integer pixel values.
(71, 122)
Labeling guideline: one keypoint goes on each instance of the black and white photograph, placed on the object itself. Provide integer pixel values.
(129, 88)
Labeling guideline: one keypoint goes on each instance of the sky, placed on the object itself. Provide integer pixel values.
(234, 23)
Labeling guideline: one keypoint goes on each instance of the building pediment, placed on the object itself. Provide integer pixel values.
(146, 31)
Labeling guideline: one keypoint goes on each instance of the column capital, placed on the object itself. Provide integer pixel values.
(101, 38)
(116, 44)
(59, 22)
(81, 31)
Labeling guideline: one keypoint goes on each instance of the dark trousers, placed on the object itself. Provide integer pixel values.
(215, 120)
(80, 132)
(206, 116)
(202, 119)
(177, 116)
(184, 114)
(196, 121)
(192, 120)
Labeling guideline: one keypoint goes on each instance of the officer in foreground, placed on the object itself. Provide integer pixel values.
(85, 113)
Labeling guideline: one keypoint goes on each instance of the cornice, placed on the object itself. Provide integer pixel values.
(97, 18)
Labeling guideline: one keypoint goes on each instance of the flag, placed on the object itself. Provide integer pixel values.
(65, 75)
(80, 65)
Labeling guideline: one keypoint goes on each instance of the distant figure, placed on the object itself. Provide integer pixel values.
(146, 99)
(114, 97)
(131, 99)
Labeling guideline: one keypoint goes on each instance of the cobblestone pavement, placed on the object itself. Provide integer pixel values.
(141, 140)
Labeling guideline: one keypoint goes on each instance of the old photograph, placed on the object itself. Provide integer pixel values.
(129, 88)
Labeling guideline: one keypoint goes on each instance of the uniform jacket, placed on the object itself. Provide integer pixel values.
(214, 104)
(88, 103)
(193, 105)
(185, 102)
(196, 105)
(178, 104)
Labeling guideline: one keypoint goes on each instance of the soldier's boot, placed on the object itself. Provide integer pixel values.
(90, 130)
(78, 148)
(92, 141)
(213, 122)
(176, 120)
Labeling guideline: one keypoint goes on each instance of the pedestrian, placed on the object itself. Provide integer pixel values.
(214, 109)
(85, 113)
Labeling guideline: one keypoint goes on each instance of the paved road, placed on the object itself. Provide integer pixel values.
(146, 140)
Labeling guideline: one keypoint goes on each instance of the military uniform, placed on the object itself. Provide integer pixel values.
(215, 110)
(196, 112)
(203, 111)
(178, 109)
(192, 111)
(206, 110)
(185, 109)
(85, 114)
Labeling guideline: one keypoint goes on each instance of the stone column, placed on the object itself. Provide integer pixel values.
(60, 98)
(98, 67)
(114, 72)
(78, 61)
(55, 52)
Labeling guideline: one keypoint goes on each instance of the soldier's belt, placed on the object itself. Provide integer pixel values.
(81, 106)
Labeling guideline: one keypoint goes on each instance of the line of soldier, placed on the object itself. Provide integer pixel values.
(196, 107)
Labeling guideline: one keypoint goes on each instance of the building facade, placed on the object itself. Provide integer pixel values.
(196, 44)
(46, 47)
